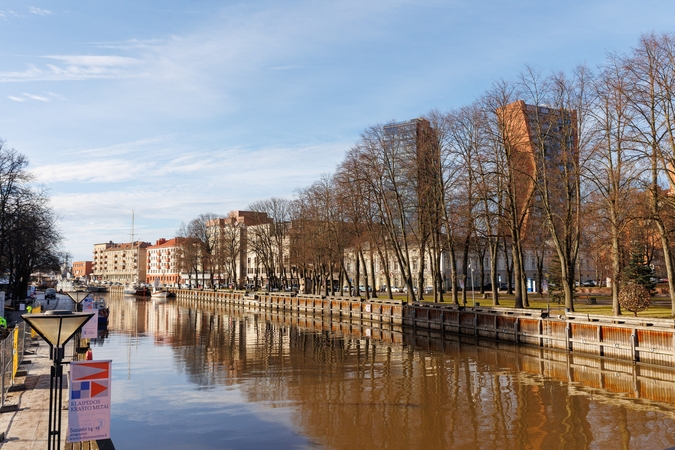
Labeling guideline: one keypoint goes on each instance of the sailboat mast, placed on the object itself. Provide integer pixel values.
(133, 256)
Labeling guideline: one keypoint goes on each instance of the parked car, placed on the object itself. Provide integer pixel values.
(589, 283)
(50, 293)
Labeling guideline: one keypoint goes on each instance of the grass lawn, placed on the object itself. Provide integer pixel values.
(660, 307)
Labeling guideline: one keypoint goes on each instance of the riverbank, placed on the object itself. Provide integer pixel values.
(644, 339)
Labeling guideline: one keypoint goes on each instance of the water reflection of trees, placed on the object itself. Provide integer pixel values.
(357, 392)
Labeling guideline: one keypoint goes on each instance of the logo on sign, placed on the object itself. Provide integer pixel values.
(89, 389)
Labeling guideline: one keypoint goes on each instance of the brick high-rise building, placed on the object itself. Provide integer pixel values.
(536, 135)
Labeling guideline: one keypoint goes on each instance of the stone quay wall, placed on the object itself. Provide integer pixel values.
(641, 339)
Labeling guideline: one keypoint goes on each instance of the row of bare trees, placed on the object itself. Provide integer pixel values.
(544, 165)
(29, 236)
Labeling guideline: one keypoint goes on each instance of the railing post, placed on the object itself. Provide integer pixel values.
(516, 327)
(633, 346)
(3, 350)
(568, 337)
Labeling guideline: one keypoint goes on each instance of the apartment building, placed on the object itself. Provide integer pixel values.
(163, 262)
(99, 263)
(123, 263)
(232, 237)
(82, 269)
(478, 270)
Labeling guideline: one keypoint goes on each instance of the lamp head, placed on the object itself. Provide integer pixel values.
(57, 326)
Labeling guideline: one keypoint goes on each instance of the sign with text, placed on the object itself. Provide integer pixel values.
(89, 404)
(90, 329)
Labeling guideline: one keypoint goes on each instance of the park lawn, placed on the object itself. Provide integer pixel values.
(660, 307)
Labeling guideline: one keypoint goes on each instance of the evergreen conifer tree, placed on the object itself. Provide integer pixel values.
(555, 281)
(638, 271)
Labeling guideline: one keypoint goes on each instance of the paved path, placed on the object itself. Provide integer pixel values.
(27, 426)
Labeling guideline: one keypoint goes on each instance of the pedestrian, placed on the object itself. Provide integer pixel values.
(89, 355)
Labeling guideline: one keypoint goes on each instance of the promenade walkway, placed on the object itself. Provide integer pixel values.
(25, 424)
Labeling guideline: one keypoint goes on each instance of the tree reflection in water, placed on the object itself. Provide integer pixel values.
(398, 390)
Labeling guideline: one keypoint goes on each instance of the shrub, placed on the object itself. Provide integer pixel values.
(634, 298)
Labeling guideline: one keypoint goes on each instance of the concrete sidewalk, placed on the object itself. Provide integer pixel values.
(27, 426)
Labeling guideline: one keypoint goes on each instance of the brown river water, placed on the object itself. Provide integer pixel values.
(233, 378)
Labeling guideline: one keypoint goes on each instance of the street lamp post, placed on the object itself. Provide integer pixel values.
(78, 299)
(473, 290)
(80, 296)
(56, 328)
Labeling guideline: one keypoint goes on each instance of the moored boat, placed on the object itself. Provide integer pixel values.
(162, 293)
(103, 311)
(90, 303)
(136, 290)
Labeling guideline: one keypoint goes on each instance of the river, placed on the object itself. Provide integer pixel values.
(233, 378)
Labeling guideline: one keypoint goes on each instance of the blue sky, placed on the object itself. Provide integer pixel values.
(173, 109)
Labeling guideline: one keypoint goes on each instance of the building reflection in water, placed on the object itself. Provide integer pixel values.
(374, 388)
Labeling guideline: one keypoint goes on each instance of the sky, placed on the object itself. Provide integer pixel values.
(172, 109)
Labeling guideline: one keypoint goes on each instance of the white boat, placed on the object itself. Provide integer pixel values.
(162, 294)
(129, 289)
(136, 290)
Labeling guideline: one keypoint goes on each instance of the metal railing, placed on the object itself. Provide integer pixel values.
(12, 349)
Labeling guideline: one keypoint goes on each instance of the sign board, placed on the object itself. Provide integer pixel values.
(89, 404)
(90, 329)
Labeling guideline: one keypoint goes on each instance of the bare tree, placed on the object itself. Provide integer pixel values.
(650, 112)
(389, 154)
(615, 168)
(32, 238)
(272, 239)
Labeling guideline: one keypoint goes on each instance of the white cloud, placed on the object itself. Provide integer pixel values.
(94, 60)
(38, 11)
(110, 171)
(76, 67)
(5, 14)
(56, 96)
(167, 181)
(142, 146)
(41, 98)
